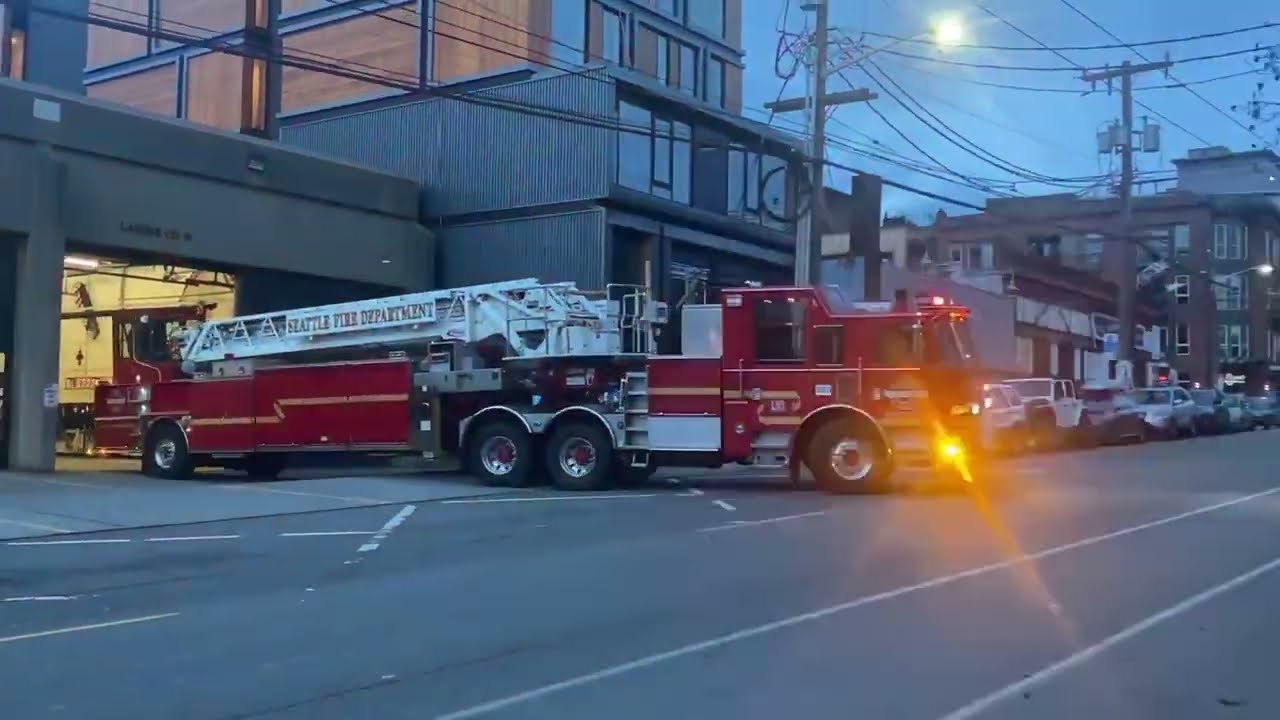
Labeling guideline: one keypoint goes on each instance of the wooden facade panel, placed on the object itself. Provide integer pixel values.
(106, 46)
(733, 22)
(367, 44)
(482, 36)
(215, 90)
(733, 88)
(201, 17)
(154, 91)
(646, 50)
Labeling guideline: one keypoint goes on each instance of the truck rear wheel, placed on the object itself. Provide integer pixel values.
(501, 454)
(165, 453)
(580, 457)
(846, 459)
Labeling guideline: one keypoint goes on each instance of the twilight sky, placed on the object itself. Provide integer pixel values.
(1049, 133)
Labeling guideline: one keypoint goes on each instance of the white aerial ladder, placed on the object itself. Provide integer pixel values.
(532, 318)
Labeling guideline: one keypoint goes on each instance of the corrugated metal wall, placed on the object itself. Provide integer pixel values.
(532, 143)
(553, 248)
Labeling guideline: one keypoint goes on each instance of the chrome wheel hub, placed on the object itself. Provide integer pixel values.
(851, 461)
(499, 455)
(165, 454)
(577, 457)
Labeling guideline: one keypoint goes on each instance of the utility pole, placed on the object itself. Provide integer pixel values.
(1122, 137)
(808, 261)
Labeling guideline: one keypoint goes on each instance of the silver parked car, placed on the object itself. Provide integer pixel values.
(1168, 412)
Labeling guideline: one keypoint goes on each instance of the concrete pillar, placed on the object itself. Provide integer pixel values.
(38, 307)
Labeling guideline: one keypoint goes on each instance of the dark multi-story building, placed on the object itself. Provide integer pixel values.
(1202, 267)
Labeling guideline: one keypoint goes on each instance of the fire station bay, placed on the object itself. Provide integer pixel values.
(116, 227)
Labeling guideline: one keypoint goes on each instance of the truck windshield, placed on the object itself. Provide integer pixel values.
(1032, 388)
(944, 343)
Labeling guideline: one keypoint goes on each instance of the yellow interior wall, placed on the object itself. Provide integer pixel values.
(143, 288)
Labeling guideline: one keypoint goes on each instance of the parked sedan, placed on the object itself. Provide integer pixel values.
(1261, 413)
(1239, 419)
(1168, 412)
(1113, 418)
(1212, 415)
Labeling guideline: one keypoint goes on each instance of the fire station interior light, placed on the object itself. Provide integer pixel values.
(81, 263)
(939, 300)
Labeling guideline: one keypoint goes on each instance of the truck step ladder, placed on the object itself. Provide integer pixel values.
(635, 407)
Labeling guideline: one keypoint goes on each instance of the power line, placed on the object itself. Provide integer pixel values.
(1071, 91)
(1189, 89)
(1070, 48)
(1044, 68)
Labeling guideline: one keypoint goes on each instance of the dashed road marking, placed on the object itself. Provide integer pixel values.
(724, 505)
(387, 529)
(767, 521)
(82, 628)
(328, 533)
(692, 492)
(354, 499)
(38, 598)
(192, 538)
(548, 498)
(33, 526)
(93, 541)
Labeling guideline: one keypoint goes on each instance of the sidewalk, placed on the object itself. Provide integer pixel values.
(35, 504)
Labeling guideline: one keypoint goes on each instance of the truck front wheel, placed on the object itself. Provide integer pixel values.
(165, 453)
(846, 459)
(501, 454)
(580, 456)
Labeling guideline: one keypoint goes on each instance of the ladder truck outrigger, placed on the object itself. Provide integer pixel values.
(525, 381)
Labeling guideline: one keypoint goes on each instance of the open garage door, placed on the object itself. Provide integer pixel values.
(120, 319)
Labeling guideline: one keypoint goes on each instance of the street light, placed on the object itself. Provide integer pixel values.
(948, 31)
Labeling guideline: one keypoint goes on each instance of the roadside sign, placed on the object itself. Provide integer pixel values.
(51, 395)
(1111, 343)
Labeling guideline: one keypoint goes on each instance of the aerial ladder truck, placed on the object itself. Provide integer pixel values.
(525, 381)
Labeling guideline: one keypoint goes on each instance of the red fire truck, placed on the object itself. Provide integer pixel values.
(524, 381)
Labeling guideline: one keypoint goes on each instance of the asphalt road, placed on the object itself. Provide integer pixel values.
(1126, 583)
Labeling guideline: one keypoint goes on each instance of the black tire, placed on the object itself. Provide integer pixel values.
(872, 472)
(265, 466)
(487, 457)
(594, 470)
(165, 453)
(1087, 434)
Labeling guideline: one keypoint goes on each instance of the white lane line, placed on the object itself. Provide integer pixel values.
(38, 598)
(81, 628)
(391, 525)
(33, 526)
(329, 533)
(63, 483)
(192, 538)
(1040, 677)
(724, 505)
(299, 493)
(767, 521)
(70, 542)
(692, 492)
(552, 498)
(673, 481)
(794, 620)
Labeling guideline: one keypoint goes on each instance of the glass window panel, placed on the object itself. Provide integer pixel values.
(634, 159)
(715, 82)
(568, 31)
(361, 43)
(107, 46)
(154, 91)
(214, 90)
(707, 15)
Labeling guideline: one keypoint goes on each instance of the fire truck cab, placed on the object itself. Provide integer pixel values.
(522, 382)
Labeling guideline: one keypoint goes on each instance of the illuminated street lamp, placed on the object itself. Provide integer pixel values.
(948, 31)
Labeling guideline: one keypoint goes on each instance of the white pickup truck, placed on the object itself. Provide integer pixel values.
(1055, 414)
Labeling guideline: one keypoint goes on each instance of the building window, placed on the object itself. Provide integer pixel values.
(604, 34)
(1181, 241)
(479, 38)
(568, 41)
(1182, 288)
(154, 91)
(17, 39)
(1182, 339)
(715, 82)
(779, 329)
(1272, 244)
(757, 182)
(1233, 342)
(670, 7)
(687, 80)
(707, 15)
(658, 158)
(371, 40)
(214, 88)
(1230, 242)
(1229, 291)
(1093, 249)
